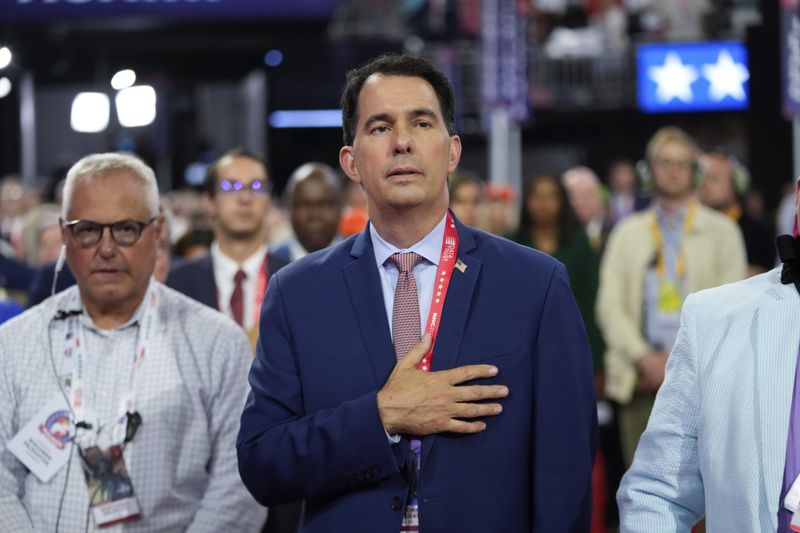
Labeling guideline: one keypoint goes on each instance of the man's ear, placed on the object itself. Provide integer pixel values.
(455, 153)
(64, 231)
(160, 227)
(347, 161)
(209, 205)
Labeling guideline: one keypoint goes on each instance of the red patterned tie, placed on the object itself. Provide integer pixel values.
(237, 298)
(405, 312)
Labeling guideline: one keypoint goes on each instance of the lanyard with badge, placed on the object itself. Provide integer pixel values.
(43, 445)
(670, 295)
(111, 494)
(447, 261)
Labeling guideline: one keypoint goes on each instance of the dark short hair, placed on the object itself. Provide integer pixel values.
(395, 65)
(210, 180)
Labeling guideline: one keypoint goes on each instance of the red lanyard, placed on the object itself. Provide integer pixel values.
(447, 261)
(261, 288)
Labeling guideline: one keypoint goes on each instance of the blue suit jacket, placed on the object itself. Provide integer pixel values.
(195, 278)
(311, 428)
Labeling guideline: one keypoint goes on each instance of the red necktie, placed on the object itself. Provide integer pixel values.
(237, 298)
(405, 312)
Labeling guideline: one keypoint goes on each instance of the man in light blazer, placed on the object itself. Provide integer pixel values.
(721, 441)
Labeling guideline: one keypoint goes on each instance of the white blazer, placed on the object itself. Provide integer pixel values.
(716, 440)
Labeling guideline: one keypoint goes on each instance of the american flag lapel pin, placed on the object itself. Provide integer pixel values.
(461, 266)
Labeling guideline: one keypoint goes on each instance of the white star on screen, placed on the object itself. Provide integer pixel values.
(674, 79)
(726, 77)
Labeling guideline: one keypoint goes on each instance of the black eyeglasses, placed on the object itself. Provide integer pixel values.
(257, 186)
(124, 232)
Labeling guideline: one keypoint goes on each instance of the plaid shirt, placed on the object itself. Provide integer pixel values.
(190, 396)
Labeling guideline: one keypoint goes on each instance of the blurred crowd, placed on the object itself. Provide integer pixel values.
(635, 238)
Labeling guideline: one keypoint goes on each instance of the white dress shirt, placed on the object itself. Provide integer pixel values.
(225, 270)
(430, 248)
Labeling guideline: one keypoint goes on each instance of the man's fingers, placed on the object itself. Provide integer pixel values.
(460, 426)
(417, 352)
(470, 393)
(476, 410)
(467, 373)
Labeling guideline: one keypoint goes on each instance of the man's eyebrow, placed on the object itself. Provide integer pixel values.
(423, 112)
(414, 113)
(378, 117)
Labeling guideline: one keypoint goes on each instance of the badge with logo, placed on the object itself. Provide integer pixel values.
(57, 428)
(43, 445)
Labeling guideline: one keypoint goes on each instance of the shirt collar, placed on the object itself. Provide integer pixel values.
(227, 267)
(676, 222)
(85, 318)
(429, 247)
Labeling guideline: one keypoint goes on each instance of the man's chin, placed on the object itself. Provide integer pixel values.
(242, 234)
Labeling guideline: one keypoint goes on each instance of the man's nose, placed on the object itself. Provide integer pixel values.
(107, 247)
(403, 143)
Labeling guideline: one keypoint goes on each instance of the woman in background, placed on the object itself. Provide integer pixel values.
(548, 224)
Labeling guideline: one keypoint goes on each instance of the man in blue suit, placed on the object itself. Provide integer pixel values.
(494, 430)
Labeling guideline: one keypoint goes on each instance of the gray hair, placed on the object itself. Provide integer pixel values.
(98, 165)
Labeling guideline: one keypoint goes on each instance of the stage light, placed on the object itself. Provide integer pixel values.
(5, 87)
(123, 79)
(273, 58)
(306, 118)
(136, 106)
(5, 57)
(90, 112)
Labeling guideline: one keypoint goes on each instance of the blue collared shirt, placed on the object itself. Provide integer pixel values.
(430, 248)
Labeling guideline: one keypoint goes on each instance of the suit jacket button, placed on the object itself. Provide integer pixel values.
(397, 503)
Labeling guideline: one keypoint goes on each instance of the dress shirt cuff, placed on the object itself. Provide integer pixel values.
(393, 439)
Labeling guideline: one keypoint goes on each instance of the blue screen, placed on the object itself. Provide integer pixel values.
(711, 76)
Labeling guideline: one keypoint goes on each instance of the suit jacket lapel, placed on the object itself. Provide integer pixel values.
(777, 342)
(455, 314)
(207, 286)
(364, 287)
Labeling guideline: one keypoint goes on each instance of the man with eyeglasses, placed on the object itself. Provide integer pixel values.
(652, 261)
(233, 277)
(119, 396)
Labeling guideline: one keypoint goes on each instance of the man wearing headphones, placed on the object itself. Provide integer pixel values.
(653, 260)
(725, 181)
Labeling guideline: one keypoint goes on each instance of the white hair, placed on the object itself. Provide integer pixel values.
(99, 165)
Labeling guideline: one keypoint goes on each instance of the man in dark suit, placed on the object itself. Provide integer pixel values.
(494, 430)
(233, 277)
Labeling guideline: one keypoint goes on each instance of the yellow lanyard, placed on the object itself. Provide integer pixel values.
(658, 240)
